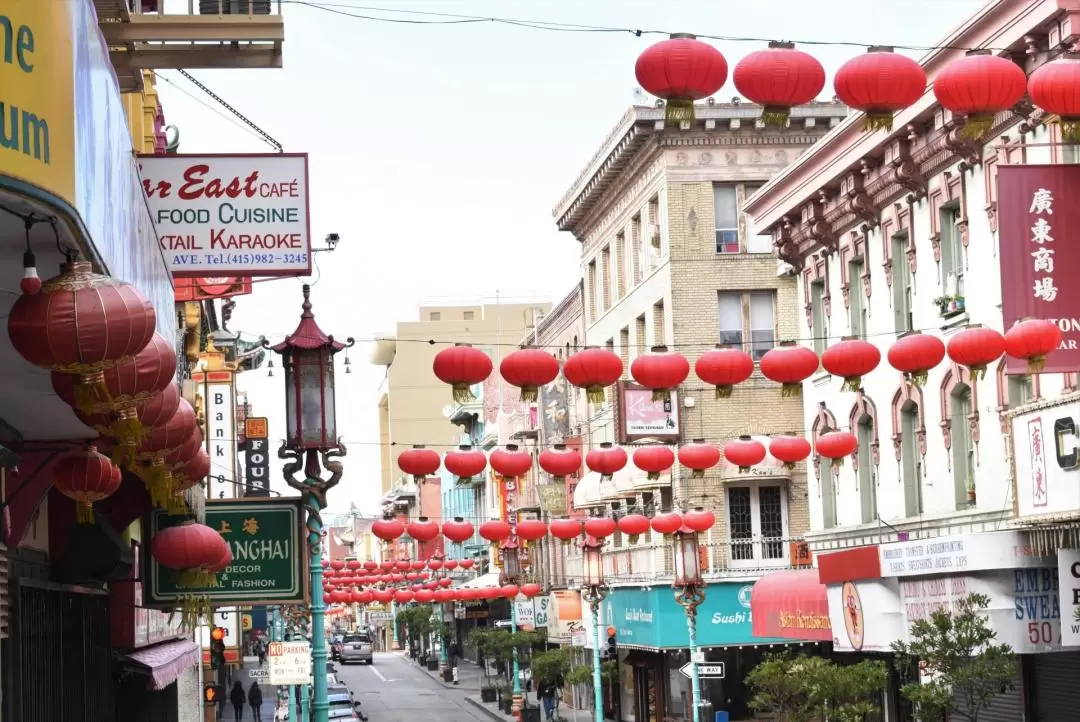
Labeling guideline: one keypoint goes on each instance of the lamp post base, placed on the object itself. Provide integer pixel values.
(516, 704)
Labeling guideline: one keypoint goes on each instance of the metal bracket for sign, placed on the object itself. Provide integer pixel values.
(713, 670)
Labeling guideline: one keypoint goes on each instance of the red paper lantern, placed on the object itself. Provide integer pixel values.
(510, 591)
(403, 564)
(680, 70)
(667, 523)
(879, 84)
(419, 463)
(654, 459)
(1053, 87)
(495, 530)
(599, 526)
(458, 530)
(699, 456)
(337, 564)
(422, 529)
(387, 530)
(1032, 340)
(434, 564)
(915, 354)
(175, 442)
(789, 449)
(187, 546)
(417, 566)
(789, 364)
(160, 408)
(530, 529)
(723, 367)
(383, 596)
(325, 563)
(744, 452)
(851, 359)
(560, 461)
(86, 477)
(529, 369)
(387, 566)
(978, 86)
(81, 323)
(188, 475)
(424, 596)
(352, 565)
(976, 347)
(340, 596)
(442, 596)
(370, 565)
(403, 596)
(362, 597)
(511, 461)
(836, 445)
(444, 581)
(462, 366)
(450, 565)
(565, 529)
(593, 369)
(465, 463)
(698, 520)
(327, 597)
(633, 525)
(778, 79)
(530, 590)
(606, 460)
(660, 370)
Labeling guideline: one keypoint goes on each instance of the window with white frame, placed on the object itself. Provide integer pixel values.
(857, 315)
(755, 242)
(817, 316)
(757, 524)
(952, 253)
(726, 217)
(963, 446)
(748, 318)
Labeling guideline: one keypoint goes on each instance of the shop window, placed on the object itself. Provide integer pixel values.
(963, 446)
(757, 525)
(867, 477)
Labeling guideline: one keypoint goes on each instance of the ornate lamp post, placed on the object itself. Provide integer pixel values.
(511, 574)
(689, 593)
(307, 356)
(594, 591)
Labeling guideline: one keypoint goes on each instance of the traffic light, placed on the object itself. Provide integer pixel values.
(612, 649)
(217, 648)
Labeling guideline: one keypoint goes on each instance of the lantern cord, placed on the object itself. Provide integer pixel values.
(69, 253)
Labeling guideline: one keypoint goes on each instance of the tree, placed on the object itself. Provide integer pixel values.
(500, 644)
(551, 665)
(960, 662)
(800, 689)
(414, 622)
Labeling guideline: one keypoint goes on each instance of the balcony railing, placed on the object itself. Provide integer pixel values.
(211, 34)
(653, 562)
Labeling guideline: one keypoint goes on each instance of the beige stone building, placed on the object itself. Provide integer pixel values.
(669, 259)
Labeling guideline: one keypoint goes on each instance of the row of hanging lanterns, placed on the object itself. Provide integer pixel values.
(879, 83)
(96, 335)
(194, 550)
(353, 567)
(427, 596)
(789, 364)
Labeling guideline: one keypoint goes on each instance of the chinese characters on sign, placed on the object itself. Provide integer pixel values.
(1036, 222)
(1038, 463)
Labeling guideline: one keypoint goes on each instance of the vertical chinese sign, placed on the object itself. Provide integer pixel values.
(257, 456)
(1038, 224)
(218, 394)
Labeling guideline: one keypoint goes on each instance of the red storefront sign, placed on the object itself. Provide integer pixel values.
(134, 626)
(201, 289)
(791, 604)
(1038, 223)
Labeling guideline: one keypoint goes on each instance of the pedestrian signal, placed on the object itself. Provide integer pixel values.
(210, 693)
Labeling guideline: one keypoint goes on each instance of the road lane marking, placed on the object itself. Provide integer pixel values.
(377, 673)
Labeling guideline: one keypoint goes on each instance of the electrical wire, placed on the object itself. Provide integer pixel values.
(211, 108)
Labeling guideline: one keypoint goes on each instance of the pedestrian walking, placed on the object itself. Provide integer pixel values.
(545, 693)
(238, 699)
(254, 698)
(260, 649)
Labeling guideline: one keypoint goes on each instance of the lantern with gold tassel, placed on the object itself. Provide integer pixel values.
(159, 443)
(155, 412)
(81, 323)
(188, 465)
(86, 477)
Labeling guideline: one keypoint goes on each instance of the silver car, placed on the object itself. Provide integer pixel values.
(356, 648)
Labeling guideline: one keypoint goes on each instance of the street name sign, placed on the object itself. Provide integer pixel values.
(289, 662)
(259, 675)
(714, 670)
(269, 551)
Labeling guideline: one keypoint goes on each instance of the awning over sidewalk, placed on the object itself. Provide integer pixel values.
(791, 604)
(164, 662)
(491, 579)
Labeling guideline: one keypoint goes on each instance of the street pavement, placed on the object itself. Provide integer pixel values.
(244, 676)
(395, 689)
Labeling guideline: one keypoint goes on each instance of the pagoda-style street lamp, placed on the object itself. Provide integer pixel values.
(690, 593)
(511, 573)
(312, 445)
(594, 591)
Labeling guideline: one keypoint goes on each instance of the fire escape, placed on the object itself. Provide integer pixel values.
(212, 34)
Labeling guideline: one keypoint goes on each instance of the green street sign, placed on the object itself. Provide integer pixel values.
(267, 538)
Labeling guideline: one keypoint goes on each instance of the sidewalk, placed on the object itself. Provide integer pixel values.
(269, 692)
(470, 675)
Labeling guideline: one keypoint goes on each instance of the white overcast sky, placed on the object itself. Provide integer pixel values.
(438, 151)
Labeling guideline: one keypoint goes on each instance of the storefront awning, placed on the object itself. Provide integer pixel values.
(491, 579)
(164, 662)
(791, 604)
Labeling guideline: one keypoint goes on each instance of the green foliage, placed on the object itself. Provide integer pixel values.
(551, 665)
(500, 644)
(415, 620)
(801, 689)
(959, 659)
(583, 674)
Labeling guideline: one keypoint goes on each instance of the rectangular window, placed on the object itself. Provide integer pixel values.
(624, 350)
(910, 457)
(639, 333)
(1020, 391)
(726, 218)
(591, 290)
(762, 323)
(755, 242)
(606, 277)
(856, 301)
(952, 253)
(817, 316)
(731, 319)
(828, 492)
(620, 264)
(436, 316)
(901, 285)
(867, 480)
(635, 246)
(757, 525)
(963, 448)
(468, 315)
(659, 324)
(747, 317)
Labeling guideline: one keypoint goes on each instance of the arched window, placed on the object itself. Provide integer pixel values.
(825, 421)
(864, 425)
(960, 429)
(909, 444)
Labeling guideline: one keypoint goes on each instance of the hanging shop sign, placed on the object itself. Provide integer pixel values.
(257, 456)
(563, 613)
(207, 287)
(960, 554)
(1069, 592)
(289, 662)
(1036, 222)
(1046, 454)
(219, 399)
(640, 417)
(267, 539)
(236, 215)
(865, 615)
(525, 613)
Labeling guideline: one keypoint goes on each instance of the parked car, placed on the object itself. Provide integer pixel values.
(356, 648)
(342, 705)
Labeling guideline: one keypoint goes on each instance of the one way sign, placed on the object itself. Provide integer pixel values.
(715, 670)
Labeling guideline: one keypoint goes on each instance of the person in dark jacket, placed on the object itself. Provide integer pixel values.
(238, 699)
(546, 692)
(254, 699)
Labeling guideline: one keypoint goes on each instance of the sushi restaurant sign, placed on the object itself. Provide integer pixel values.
(266, 537)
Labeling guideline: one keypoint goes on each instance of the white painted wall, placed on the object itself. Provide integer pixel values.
(189, 695)
(983, 301)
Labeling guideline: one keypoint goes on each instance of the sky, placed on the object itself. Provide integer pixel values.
(437, 151)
